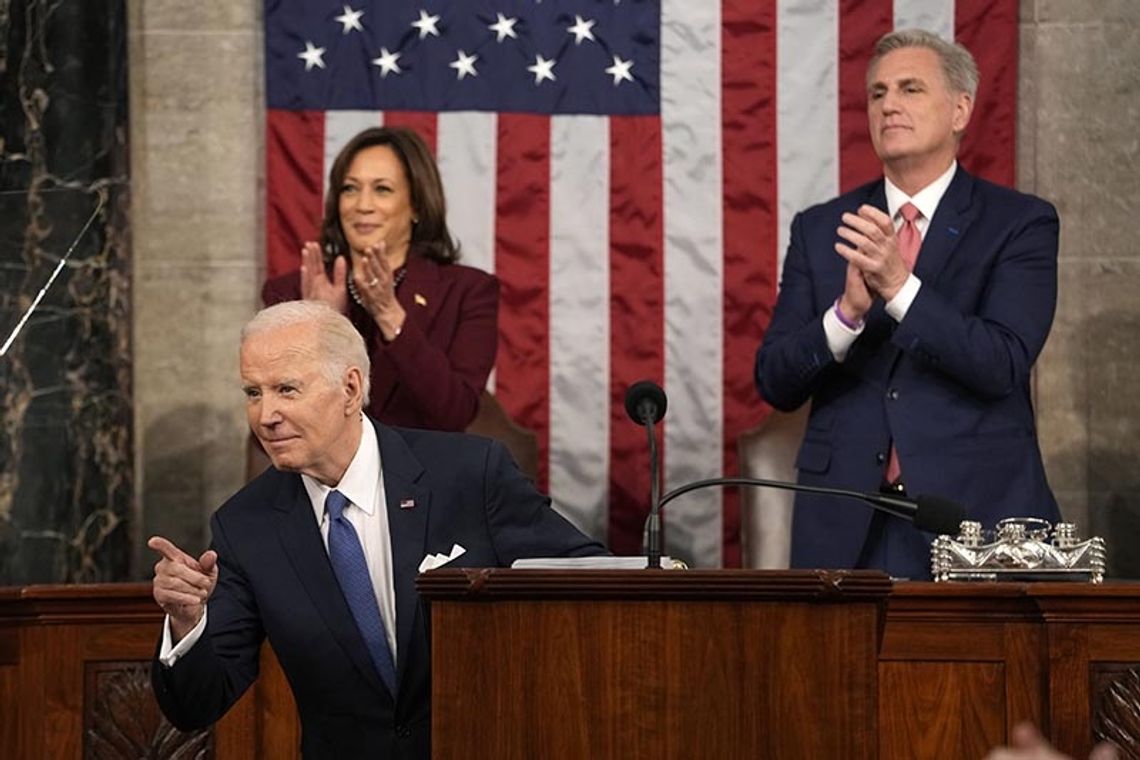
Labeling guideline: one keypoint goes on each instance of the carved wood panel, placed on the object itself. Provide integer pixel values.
(122, 720)
(1116, 705)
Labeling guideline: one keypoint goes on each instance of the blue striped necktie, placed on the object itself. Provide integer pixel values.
(351, 570)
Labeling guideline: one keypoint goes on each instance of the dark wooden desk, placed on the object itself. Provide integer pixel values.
(714, 663)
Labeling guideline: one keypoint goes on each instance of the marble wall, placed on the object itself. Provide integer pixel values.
(66, 475)
(1079, 113)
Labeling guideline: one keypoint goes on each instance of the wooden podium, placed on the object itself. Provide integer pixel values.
(670, 664)
(673, 664)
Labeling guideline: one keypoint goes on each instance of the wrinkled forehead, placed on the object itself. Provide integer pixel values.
(292, 349)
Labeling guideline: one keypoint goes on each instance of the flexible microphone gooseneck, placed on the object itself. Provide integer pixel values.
(645, 404)
(933, 514)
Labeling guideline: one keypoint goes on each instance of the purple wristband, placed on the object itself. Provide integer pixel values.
(844, 320)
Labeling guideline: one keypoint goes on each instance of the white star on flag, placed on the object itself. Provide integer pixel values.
(350, 20)
(620, 70)
(387, 63)
(426, 24)
(581, 29)
(464, 64)
(542, 69)
(504, 27)
(312, 56)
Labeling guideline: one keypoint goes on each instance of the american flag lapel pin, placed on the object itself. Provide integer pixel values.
(407, 503)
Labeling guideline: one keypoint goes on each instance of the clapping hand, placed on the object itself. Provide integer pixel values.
(873, 248)
(317, 285)
(375, 284)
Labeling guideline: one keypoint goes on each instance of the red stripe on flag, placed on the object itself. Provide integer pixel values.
(637, 314)
(861, 24)
(424, 123)
(751, 221)
(988, 28)
(522, 262)
(294, 163)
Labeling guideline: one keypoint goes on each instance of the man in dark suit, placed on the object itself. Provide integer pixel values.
(320, 553)
(910, 313)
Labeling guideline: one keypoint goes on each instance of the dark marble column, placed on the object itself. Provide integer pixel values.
(66, 481)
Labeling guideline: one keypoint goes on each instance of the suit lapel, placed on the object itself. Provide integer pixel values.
(422, 292)
(947, 228)
(301, 539)
(409, 502)
(421, 295)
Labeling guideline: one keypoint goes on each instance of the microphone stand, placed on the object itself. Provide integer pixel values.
(653, 522)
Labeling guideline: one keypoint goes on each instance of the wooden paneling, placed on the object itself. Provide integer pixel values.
(1116, 705)
(78, 680)
(672, 665)
(695, 664)
(941, 709)
(122, 720)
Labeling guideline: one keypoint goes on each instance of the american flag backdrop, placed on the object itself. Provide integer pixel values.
(628, 169)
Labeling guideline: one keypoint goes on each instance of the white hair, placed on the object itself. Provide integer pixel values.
(339, 343)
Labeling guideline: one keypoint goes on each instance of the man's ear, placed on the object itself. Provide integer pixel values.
(963, 109)
(353, 388)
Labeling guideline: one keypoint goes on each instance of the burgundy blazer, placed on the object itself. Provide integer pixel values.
(431, 375)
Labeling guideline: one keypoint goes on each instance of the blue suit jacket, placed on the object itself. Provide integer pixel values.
(276, 580)
(949, 384)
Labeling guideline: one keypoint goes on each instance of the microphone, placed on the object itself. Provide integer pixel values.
(645, 399)
(645, 404)
(930, 513)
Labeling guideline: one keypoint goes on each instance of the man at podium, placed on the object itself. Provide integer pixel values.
(320, 553)
(910, 314)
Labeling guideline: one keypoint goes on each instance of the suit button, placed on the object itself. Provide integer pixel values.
(880, 458)
(403, 731)
(893, 394)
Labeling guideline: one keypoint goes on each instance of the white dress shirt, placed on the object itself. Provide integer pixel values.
(840, 337)
(363, 485)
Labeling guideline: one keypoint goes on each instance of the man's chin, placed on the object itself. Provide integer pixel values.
(281, 460)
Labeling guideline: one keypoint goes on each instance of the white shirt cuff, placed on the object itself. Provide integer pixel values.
(840, 337)
(898, 306)
(169, 654)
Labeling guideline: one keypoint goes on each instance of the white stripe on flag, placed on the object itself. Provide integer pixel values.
(807, 109)
(807, 149)
(466, 146)
(340, 127)
(933, 15)
(579, 319)
(694, 266)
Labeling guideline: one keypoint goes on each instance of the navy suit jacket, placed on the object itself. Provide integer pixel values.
(949, 384)
(275, 580)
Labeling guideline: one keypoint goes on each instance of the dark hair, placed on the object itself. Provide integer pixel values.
(430, 236)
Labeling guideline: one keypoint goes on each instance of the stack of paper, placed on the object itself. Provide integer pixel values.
(595, 563)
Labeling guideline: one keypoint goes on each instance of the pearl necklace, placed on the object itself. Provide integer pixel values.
(401, 273)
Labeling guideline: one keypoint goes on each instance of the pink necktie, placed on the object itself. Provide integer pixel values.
(909, 238)
(909, 242)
